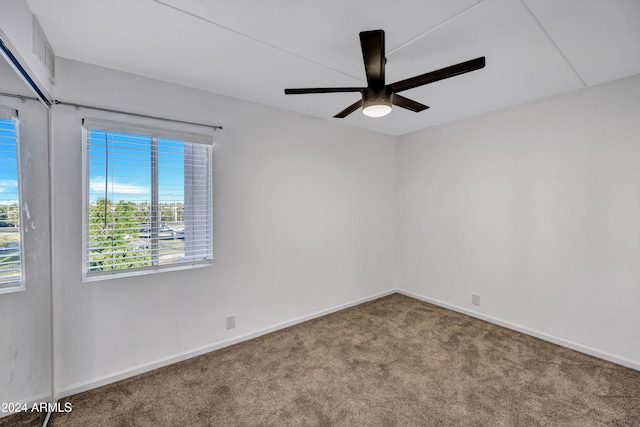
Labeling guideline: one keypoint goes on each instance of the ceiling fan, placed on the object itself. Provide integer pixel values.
(378, 97)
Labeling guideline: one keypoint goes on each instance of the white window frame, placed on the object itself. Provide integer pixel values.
(17, 285)
(154, 133)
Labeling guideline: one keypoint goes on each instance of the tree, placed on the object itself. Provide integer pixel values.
(3, 216)
(113, 231)
(9, 215)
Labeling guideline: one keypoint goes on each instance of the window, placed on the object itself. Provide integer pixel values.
(10, 241)
(147, 199)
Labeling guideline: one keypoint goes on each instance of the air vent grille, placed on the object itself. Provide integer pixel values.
(42, 49)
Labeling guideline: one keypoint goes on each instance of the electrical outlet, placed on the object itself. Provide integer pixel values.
(231, 321)
(475, 299)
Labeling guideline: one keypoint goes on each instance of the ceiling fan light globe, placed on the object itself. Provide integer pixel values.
(377, 109)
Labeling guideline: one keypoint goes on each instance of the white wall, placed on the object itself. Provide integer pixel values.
(25, 315)
(16, 31)
(535, 208)
(304, 214)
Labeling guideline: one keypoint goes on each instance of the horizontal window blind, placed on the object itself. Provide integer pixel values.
(10, 241)
(148, 198)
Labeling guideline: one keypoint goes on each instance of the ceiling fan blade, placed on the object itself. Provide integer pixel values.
(443, 73)
(407, 103)
(350, 109)
(372, 43)
(323, 90)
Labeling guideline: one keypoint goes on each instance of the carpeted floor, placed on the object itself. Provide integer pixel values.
(24, 419)
(395, 361)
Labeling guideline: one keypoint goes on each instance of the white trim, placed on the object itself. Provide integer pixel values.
(8, 113)
(141, 271)
(85, 203)
(89, 124)
(633, 364)
(144, 130)
(18, 285)
(165, 361)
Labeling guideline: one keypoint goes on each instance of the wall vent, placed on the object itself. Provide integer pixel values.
(42, 49)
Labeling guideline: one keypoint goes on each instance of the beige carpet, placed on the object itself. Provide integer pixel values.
(23, 419)
(395, 361)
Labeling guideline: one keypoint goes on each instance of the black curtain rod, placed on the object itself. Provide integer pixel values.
(146, 116)
(22, 97)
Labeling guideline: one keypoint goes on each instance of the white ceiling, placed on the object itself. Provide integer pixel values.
(253, 49)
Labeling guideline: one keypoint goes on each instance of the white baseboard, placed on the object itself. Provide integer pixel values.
(528, 331)
(130, 372)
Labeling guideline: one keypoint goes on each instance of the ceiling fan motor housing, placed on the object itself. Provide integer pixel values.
(376, 101)
(377, 95)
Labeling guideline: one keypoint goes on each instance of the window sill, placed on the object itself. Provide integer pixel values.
(117, 274)
(11, 289)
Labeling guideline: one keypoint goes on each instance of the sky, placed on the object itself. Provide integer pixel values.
(125, 161)
(8, 163)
